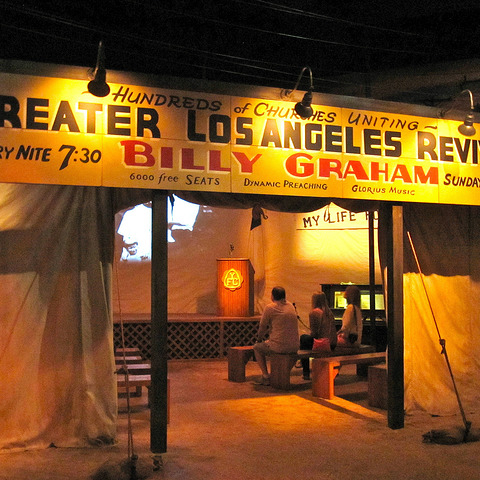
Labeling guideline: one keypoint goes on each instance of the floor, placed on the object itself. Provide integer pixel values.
(220, 430)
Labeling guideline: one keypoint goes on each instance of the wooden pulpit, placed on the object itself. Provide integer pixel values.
(235, 287)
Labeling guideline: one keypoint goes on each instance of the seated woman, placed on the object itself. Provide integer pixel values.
(322, 325)
(350, 335)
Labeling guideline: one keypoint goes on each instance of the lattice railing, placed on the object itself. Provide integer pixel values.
(190, 340)
(238, 334)
(136, 335)
(193, 340)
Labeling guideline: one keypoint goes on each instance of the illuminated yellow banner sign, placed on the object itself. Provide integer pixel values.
(53, 131)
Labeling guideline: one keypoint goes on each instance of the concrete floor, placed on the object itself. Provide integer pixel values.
(225, 430)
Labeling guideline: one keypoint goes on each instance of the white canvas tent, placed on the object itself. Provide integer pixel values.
(56, 347)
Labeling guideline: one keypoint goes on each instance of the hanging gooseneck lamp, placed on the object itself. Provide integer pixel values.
(304, 108)
(99, 86)
(467, 128)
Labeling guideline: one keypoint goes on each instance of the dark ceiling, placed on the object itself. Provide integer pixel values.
(346, 43)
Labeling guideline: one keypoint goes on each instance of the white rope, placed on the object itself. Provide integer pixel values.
(130, 445)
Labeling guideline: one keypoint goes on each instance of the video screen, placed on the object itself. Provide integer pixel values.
(134, 231)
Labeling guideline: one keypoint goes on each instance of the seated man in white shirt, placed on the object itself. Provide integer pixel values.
(279, 320)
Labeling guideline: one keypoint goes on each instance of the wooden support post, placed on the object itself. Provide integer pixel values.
(393, 224)
(371, 275)
(159, 388)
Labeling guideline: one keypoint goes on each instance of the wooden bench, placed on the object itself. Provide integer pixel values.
(134, 381)
(324, 370)
(135, 369)
(139, 381)
(281, 364)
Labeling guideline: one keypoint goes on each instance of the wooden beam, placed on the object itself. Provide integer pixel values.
(159, 279)
(393, 224)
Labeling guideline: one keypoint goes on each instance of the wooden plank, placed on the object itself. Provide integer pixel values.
(311, 354)
(127, 351)
(128, 359)
(342, 350)
(134, 381)
(352, 359)
(131, 350)
(135, 369)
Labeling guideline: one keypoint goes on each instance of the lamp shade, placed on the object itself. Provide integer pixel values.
(303, 108)
(467, 128)
(98, 86)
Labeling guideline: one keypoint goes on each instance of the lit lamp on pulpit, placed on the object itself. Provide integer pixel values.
(235, 286)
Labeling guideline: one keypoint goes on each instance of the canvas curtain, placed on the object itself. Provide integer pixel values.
(56, 346)
(447, 242)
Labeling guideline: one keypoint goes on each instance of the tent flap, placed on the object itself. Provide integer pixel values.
(56, 348)
(446, 240)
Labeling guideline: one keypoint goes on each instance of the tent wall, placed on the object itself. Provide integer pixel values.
(281, 250)
(56, 254)
(56, 347)
(447, 242)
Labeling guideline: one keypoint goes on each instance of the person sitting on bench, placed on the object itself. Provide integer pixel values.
(350, 335)
(322, 325)
(279, 320)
